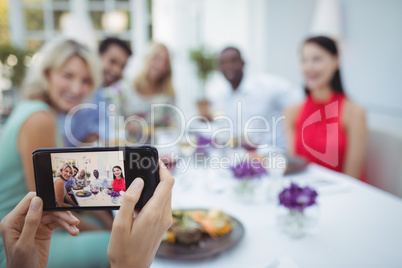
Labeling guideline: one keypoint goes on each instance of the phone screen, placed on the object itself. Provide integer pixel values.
(93, 178)
(88, 179)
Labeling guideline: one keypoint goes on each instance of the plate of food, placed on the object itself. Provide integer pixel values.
(78, 187)
(83, 193)
(295, 164)
(200, 233)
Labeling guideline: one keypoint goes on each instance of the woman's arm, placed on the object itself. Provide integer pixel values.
(290, 114)
(70, 200)
(59, 192)
(356, 129)
(38, 131)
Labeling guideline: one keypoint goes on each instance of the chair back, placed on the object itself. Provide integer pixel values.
(383, 167)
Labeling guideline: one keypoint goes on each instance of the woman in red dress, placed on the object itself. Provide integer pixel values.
(119, 183)
(327, 128)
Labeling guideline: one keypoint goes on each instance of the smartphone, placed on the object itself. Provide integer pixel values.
(93, 178)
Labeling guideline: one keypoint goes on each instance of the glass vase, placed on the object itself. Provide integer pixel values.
(250, 190)
(115, 200)
(298, 224)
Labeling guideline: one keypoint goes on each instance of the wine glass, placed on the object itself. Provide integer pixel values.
(277, 168)
(109, 185)
(94, 189)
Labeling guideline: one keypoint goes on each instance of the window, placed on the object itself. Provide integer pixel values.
(43, 18)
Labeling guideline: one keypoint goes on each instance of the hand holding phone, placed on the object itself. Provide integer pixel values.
(93, 178)
(26, 232)
(134, 240)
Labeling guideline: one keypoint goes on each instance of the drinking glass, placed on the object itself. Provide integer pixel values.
(277, 164)
(94, 190)
(110, 185)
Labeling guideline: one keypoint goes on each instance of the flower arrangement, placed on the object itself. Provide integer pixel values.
(115, 194)
(203, 144)
(248, 174)
(297, 198)
(301, 215)
(248, 170)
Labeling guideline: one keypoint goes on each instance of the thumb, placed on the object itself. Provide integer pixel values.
(130, 198)
(32, 220)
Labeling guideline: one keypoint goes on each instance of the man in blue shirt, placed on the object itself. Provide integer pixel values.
(89, 123)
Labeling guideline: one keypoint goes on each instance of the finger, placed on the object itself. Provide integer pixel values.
(163, 190)
(67, 216)
(130, 198)
(71, 229)
(32, 220)
(136, 212)
(61, 219)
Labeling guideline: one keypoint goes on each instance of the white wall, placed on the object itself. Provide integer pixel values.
(371, 56)
(175, 24)
(186, 24)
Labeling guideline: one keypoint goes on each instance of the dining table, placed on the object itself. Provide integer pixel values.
(358, 225)
(102, 199)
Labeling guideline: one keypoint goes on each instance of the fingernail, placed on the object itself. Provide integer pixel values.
(35, 203)
(137, 183)
(73, 217)
(74, 228)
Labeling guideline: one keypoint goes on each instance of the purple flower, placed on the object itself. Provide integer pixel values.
(202, 145)
(114, 194)
(203, 141)
(297, 198)
(248, 169)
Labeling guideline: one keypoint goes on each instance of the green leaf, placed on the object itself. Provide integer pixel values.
(19, 69)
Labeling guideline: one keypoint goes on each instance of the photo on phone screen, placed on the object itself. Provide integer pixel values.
(88, 179)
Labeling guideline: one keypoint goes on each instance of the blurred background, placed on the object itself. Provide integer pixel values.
(268, 32)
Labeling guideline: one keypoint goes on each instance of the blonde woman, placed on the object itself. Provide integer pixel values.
(152, 85)
(65, 173)
(133, 242)
(81, 178)
(64, 73)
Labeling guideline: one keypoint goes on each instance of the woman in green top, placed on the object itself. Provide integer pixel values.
(63, 74)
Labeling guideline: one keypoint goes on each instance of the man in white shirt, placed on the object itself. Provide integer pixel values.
(254, 103)
(101, 182)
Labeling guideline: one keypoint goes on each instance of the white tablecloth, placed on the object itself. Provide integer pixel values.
(359, 225)
(102, 199)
